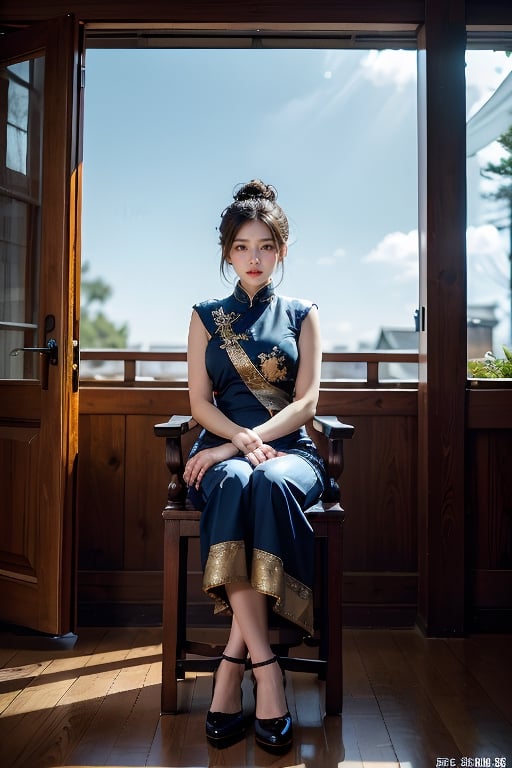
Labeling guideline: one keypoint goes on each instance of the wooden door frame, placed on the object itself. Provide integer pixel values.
(46, 601)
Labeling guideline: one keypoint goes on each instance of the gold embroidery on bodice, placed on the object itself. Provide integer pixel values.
(272, 398)
(224, 325)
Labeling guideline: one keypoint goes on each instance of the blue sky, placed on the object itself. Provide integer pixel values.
(170, 133)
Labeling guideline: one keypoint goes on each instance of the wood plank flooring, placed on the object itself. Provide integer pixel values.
(409, 701)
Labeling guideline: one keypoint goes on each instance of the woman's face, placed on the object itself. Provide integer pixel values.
(254, 255)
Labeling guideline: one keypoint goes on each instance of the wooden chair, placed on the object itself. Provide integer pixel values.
(181, 523)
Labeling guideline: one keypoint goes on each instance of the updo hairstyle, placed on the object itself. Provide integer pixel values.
(252, 202)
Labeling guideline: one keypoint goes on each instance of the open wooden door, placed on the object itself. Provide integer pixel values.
(39, 261)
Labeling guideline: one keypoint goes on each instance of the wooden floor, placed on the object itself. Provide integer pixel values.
(409, 701)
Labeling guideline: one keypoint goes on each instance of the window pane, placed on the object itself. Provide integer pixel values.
(17, 118)
(489, 184)
(21, 109)
(170, 133)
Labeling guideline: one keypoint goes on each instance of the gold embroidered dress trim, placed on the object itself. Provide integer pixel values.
(272, 398)
(227, 564)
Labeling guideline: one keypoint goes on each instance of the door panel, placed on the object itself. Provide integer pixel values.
(39, 237)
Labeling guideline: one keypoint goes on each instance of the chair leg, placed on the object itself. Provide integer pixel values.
(334, 681)
(169, 695)
(182, 598)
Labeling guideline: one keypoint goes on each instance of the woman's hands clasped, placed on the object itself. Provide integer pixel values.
(250, 444)
(246, 442)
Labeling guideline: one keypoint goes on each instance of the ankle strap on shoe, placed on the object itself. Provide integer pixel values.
(232, 659)
(264, 663)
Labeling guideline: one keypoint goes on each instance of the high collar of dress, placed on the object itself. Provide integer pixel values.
(264, 294)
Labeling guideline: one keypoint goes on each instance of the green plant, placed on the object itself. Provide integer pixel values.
(492, 367)
(96, 330)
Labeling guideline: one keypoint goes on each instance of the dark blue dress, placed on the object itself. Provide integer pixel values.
(253, 526)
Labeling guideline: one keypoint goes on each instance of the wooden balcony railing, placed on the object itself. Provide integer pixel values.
(127, 367)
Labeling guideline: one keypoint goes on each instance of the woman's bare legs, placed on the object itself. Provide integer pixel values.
(226, 695)
(250, 619)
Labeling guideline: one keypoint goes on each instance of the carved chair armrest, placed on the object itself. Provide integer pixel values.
(174, 430)
(175, 427)
(332, 427)
(330, 444)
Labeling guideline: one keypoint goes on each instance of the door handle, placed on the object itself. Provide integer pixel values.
(51, 357)
(51, 350)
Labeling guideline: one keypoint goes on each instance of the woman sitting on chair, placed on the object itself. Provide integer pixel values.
(254, 371)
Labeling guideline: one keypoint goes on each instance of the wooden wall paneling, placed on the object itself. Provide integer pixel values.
(492, 609)
(477, 449)
(120, 598)
(135, 400)
(156, 401)
(120, 579)
(489, 407)
(499, 499)
(118, 588)
(379, 490)
(175, 400)
(146, 480)
(101, 494)
(380, 599)
(478, 489)
(368, 402)
(492, 502)
(490, 530)
(442, 344)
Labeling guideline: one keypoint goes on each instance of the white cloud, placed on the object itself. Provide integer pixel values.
(488, 265)
(485, 71)
(337, 255)
(399, 251)
(484, 241)
(489, 275)
(492, 153)
(329, 260)
(390, 67)
(326, 261)
(345, 327)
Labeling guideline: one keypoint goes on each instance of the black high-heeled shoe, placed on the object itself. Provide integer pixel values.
(276, 733)
(225, 728)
